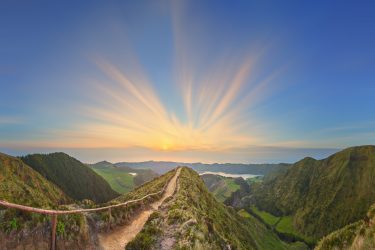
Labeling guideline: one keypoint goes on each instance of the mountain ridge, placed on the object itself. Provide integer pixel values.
(72, 176)
(316, 192)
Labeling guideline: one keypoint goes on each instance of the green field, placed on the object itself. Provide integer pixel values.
(281, 224)
(207, 223)
(225, 191)
(266, 217)
(256, 179)
(273, 219)
(118, 179)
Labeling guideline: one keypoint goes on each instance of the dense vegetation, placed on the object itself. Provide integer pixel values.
(358, 235)
(122, 179)
(73, 177)
(20, 184)
(320, 195)
(76, 231)
(194, 219)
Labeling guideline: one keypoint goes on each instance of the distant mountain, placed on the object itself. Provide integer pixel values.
(194, 219)
(233, 168)
(122, 179)
(72, 176)
(21, 184)
(358, 235)
(320, 195)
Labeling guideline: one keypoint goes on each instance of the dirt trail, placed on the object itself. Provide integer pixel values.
(120, 237)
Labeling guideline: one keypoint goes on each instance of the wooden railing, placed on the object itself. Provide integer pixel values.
(54, 213)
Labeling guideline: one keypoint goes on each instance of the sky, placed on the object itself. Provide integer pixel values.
(207, 81)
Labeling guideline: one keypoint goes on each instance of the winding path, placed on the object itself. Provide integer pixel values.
(120, 237)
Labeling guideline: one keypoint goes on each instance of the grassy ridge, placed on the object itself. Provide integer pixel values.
(122, 215)
(197, 220)
(20, 184)
(316, 193)
(72, 176)
(358, 235)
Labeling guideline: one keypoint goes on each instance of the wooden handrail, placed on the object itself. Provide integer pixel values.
(54, 213)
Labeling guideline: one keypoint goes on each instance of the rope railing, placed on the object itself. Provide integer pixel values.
(54, 213)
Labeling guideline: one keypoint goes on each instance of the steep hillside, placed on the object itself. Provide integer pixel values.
(359, 235)
(122, 179)
(194, 219)
(320, 195)
(73, 177)
(20, 230)
(20, 184)
(221, 187)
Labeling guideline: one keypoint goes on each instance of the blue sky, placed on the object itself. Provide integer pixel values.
(311, 84)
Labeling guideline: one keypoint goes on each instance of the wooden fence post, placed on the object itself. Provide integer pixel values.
(53, 235)
(109, 218)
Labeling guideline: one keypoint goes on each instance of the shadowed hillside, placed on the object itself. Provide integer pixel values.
(73, 177)
(21, 184)
(359, 235)
(320, 195)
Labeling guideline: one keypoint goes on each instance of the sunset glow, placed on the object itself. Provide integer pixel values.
(185, 80)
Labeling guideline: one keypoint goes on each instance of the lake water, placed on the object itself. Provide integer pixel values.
(244, 176)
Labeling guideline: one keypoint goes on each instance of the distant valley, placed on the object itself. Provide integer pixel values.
(230, 168)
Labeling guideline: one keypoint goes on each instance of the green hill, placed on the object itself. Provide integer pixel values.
(221, 187)
(20, 184)
(73, 177)
(122, 179)
(316, 197)
(194, 219)
(359, 235)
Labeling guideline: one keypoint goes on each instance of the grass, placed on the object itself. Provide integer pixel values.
(199, 221)
(283, 225)
(272, 220)
(121, 215)
(120, 181)
(148, 236)
(244, 213)
(358, 235)
(256, 179)
(225, 191)
(220, 186)
(266, 217)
